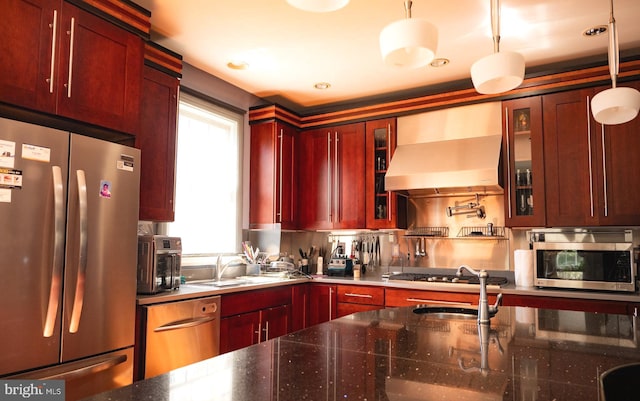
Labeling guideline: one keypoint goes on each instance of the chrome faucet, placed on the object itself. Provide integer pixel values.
(220, 268)
(484, 310)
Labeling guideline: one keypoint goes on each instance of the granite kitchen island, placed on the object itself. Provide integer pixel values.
(396, 354)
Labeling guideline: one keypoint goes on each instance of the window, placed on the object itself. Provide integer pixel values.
(208, 179)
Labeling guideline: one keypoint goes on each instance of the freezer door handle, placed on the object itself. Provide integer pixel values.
(95, 366)
(82, 260)
(58, 251)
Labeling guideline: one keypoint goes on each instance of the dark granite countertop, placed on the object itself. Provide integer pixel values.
(394, 354)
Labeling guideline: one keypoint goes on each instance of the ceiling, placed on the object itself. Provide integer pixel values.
(288, 50)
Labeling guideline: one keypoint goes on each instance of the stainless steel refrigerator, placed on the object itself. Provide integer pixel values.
(68, 249)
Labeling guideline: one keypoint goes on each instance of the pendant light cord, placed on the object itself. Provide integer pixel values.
(495, 24)
(614, 56)
(407, 9)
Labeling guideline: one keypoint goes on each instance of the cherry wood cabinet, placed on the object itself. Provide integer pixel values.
(62, 60)
(384, 209)
(400, 297)
(273, 175)
(251, 317)
(589, 167)
(331, 185)
(157, 142)
(524, 195)
(617, 164)
(358, 298)
(300, 304)
(323, 305)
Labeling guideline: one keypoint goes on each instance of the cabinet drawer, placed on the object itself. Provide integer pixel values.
(243, 302)
(358, 294)
(396, 297)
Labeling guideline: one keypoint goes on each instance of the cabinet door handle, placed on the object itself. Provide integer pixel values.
(330, 302)
(432, 301)
(336, 186)
(350, 294)
(386, 167)
(279, 212)
(71, 33)
(604, 173)
(329, 171)
(266, 331)
(506, 123)
(54, 29)
(259, 332)
(589, 144)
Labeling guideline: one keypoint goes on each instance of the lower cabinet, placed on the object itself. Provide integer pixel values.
(252, 317)
(359, 298)
(323, 303)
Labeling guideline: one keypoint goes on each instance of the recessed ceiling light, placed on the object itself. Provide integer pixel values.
(595, 31)
(238, 65)
(322, 85)
(439, 62)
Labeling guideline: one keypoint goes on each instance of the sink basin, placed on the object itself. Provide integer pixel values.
(242, 280)
(449, 312)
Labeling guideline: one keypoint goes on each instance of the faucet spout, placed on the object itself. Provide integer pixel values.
(484, 311)
(220, 268)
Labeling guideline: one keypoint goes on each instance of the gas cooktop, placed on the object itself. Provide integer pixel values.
(447, 278)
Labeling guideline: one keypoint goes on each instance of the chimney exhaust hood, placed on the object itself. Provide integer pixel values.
(433, 157)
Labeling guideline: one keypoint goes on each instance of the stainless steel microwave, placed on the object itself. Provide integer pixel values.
(585, 265)
(159, 263)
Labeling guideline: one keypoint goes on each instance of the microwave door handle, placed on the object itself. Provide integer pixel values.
(58, 252)
(82, 262)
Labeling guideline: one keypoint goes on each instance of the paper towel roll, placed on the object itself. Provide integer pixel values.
(523, 262)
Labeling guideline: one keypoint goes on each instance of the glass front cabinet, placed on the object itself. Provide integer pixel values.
(384, 209)
(524, 196)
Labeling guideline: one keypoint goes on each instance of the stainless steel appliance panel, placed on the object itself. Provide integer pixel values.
(180, 333)
(32, 251)
(69, 208)
(100, 273)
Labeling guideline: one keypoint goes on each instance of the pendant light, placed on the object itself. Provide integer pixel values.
(500, 71)
(616, 105)
(409, 43)
(318, 6)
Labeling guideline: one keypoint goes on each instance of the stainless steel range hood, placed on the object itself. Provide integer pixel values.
(433, 157)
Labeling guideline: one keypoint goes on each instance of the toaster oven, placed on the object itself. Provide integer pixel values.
(159, 263)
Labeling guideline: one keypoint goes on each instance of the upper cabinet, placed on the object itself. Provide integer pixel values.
(332, 170)
(384, 209)
(589, 167)
(273, 176)
(524, 197)
(62, 60)
(158, 133)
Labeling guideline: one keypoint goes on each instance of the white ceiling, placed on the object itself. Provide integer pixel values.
(289, 50)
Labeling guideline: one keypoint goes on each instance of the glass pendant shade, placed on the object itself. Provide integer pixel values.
(498, 72)
(615, 105)
(318, 6)
(409, 43)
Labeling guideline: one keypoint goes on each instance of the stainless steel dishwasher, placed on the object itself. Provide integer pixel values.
(176, 334)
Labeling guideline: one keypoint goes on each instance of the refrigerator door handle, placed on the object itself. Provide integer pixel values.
(82, 260)
(58, 251)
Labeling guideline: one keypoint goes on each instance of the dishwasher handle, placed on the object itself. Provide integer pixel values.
(184, 323)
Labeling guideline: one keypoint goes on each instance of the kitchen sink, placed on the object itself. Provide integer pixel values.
(449, 312)
(242, 280)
